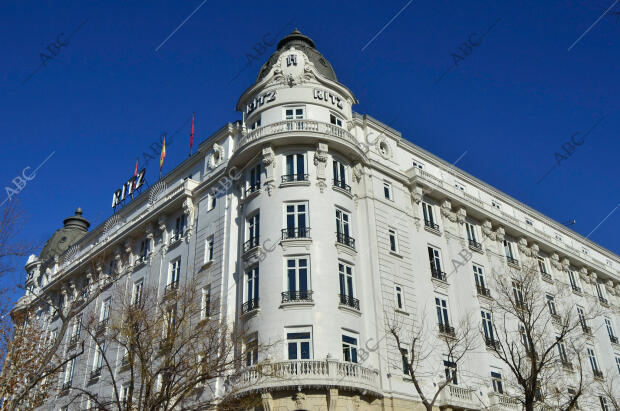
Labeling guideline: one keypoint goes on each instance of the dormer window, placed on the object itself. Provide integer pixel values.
(255, 124)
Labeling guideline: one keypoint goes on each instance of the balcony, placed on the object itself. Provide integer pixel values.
(251, 189)
(73, 342)
(438, 274)
(576, 289)
(446, 330)
(125, 361)
(252, 243)
(567, 365)
(458, 397)
(295, 232)
(101, 327)
(503, 402)
(613, 339)
(171, 289)
(249, 306)
(140, 261)
(345, 239)
(298, 127)
(431, 226)
(96, 373)
(175, 239)
(294, 178)
(483, 291)
(297, 296)
(349, 301)
(603, 301)
(556, 318)
(308, 373)
(491, 343)
(513, 262)
(340, 184)
(475, 245)
(546, 277)
(586, 329)
(598, 374)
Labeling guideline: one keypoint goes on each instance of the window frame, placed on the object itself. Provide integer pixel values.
(349, 348)
(297, 269)
(393, 239)
(298, 336)
(399, 297)
(388, 191)
(346, 279)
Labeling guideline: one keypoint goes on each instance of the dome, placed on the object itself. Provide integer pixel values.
(304, 44)
(75, 227)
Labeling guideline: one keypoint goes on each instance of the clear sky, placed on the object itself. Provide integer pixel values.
(511, 98)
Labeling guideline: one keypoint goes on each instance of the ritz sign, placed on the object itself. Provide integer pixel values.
(327, 96)
(259, 101)
(134, 183)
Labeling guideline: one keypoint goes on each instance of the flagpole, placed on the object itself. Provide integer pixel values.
(191, 136)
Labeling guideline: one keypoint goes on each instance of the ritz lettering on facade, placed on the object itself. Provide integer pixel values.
(327, 96)
(259, 101)
(134, 183)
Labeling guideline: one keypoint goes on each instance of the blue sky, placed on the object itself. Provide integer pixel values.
(511, 103)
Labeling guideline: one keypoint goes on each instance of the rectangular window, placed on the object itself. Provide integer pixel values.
(450, 370)
(387, 190)
(551, 305)
(405, 358)
(434, 257)
(618, 364)
(610, 330)
(99, 353)
(171, 322)
(487, 328)
(459, 186)
(77, 328)
(600, 292)
(525, 339)
(349, 348)
(429, 216)
(480, 282)
(69, 370)
(294, 113)
(604, 404)
(573, 281)
(104, 314)
(255, 124)
(179, 226)
(441, 306)
(137, 291)
(582, 318)
(496, 380)
(297, 221)
(251, 352)
(345, 272)
(542, 267)
(145, 248)
(334, 119)
(205, 302)
(593, 362)
(252, 286)
(562, 350)
(209, 247)
(212, 200)
(254, 179)
(471, 234)
(253, 235)
(299, 345)
(342, 228)
(417, 164)
(509, 251)
(297, 277)
(124, 397)
(517, 293)
(393, 240)
(295, 168)
(175, 272)
(399, 297)
(340, 175)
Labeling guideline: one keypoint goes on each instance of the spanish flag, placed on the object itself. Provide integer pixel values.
(163, 154)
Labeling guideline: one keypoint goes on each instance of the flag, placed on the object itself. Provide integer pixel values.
(135, 174)
(191, 136)
(163, 154)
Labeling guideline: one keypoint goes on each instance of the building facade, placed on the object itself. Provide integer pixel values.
(312, 225)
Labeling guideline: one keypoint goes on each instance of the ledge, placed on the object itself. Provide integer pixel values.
(295, 183)
(399, 311)
(296, 242)
(297, 304)
(343, 191)
(249, 314)
(349, 309)
(253, 194)
(206, 265)
(440, 283)
(345, 249)
(435, 231)
(395, 254)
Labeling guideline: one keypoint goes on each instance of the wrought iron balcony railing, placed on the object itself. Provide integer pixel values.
(349, 301)
(576, 289)
(101, 327)
(341, 184)
(289, 178)
(171, 289)
(297, 296)
(613, 339)
(446, 329)
(95, 373)
(253, 242)
(512, 261)
(252, 188)
(295, 232)
(438, 274)
(249, 305)
(598, 374)
(491, 343)
(345, 239)
(546, 276)
(475, 245)
(483, 291)
(586, 329)
(603, 300)
(431, 225)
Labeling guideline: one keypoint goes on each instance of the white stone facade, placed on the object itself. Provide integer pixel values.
(334, 223)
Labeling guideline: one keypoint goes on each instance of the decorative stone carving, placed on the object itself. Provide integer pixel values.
(583, 274)
(332, 399)
(217, 156)
(267, 401)
(356, 402)
(555, 261)
(609, 285)
(358, 172)
(566, 264)
(487, 230)
(534, 249)
(446, 210)
(417, 194)
(522, 245)
(461, 215)
(320, 160)
(500, 234)
(269, 164)
(300, 400)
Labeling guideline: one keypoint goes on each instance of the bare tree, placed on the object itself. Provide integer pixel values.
(539, 336)
(421, 346)
(158, 352)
